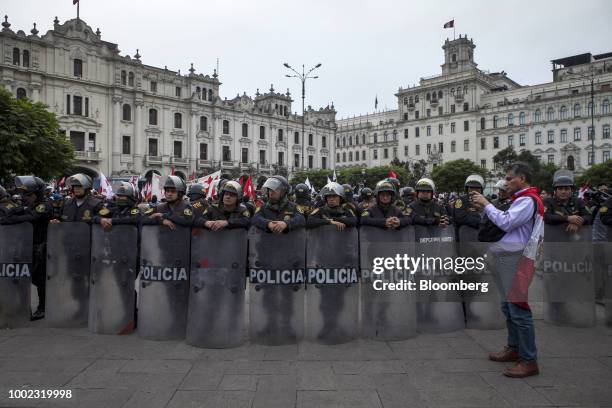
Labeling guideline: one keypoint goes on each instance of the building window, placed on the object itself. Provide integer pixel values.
(178, 149)
(453, 108)
(203, 151)
(245, 155)
(311, 139)
(324, 161)
(245, 130)
(78, 140)
(363, 155)
(577, 110)
(510, 140)
(551, 159)
(405, 116)
(91, 145)
(203, 123)
(177, 92)
(428, 148)
(466, 125)
(310, 161)
(589, 109)
(495, 122)
(538, 138)
(262, 132)
(178, 121)
(67, 104)
(375, 138)
(483, 143)
(453, 146)
(522, 118)
(350, 157)
(280, 135)
(385, 153)
(262, 157)
(510, 119)
(226, 127)
(324, 141)
(428, 113)
(344, 157)
(590, 133)
(153, 86)
(405, 150)
(466, 107)
(26, 58)
(21, 93)
(153, 147)
(537, 116)
(123, 78)
(226, 154)
(605, 156)
(441, 147)
(363, 139)
(551, 136)
(605, 132)
(590, 158)
(522, 140)
(483, 163)
(440, 110)
(126, 145)
(550, 114)
(577, 134)
(482, 123)
(405, 133)
(563, 137)
(131, 79)
(78, 68)
(127, 112)
(452, 127)
(210, 95)
(495, 142)
(563, 112)
(16, 56)
(296, 138)
(153, 117)
(417, 150)
(416, 114)
(428, 130)
(375, 154)
(77, 102)
(417, 131)
(605, 107)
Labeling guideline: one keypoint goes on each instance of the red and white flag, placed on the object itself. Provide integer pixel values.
(156, 186)
(248, 190)
(208, 182)
(105, 187)
(450, 24)
(583, 189)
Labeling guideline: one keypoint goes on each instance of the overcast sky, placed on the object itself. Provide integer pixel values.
(367, 47)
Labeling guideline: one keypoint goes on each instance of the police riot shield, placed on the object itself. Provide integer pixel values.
(439, 280)
(216, 316)
(332, 284)
(388, 292)
(482, 309)
(164, 282)
(607, 280)
(16, 252)
(276, 281)
(68, 263)
(568, 279)
(114, 259)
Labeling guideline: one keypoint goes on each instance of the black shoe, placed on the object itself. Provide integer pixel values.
(38, 314)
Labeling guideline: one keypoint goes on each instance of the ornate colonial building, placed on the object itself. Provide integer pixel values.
(128, 118)
(466, 112)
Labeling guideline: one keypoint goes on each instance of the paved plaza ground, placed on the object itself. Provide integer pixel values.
(445, 370)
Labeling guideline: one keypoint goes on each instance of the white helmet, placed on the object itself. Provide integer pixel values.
(474, 180)
(425, 184)
(501, 185)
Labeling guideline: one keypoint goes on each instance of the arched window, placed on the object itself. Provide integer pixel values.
(550, 114)
(577, 110)
(605, 107)
(454, 58)
(563, 112)
(210, 95)
(178, 121)
(344, 141)
(590, 109)
(439, 94)
(153, 117)
(375, 138)
(337, 142)
(21, 93)
(363, 139)
(131, 79)
(26, 58)
(123, 78)
(510, 119)
(344, 157)
(522, 118)
(428, 96)
(203, 123)
(537, 116)
(127, 112)
(570, 163)
(16, 56)
(410, 100)
(199, 92)
(453, 91)
(350, 156)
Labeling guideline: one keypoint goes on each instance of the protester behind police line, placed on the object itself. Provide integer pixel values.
(82, 206)
(425, 210)
(463, 210)
(563, 207)
(197, 199)
(334, 212)
(278, 214)
(228, 213)
(384, 214)
(174, 211)
(302, 200)
(37, 211)
(514, 257)
(124, 210)
(488, 231)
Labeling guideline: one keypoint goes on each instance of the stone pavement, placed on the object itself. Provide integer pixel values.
(446, 370)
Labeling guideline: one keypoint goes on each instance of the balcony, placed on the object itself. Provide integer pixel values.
(153, 160)
(411, 106)
(228, 164)
(434, 103)
(458, 97)
(205, 164)
(179, 161)
(245, 166)
(87, 156)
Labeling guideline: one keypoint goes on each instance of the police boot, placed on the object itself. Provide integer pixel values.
(38, 314)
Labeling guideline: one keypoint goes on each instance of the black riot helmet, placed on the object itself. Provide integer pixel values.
(127, 190)
(177, 183)
(408, 192)
(80, 180)
(277, 183)
(196, 192)
(302, 192)
(366, 193)
(563, 178)
(348, 193)
(29, 185)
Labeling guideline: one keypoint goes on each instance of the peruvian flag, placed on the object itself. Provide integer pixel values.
(105, 187)
(145, 193)
(208, 182)
(248, 189)
(392, 174)
(172, 172)
(583, 190)
(450, 24)
(156, 186)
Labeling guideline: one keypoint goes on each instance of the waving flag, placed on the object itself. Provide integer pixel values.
(450, 24)
(248, 189)
(105, 187)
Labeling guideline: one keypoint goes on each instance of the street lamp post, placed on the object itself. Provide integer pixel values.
(591, 79)
(302, 77)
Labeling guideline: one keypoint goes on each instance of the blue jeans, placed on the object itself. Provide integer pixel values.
(519, 321)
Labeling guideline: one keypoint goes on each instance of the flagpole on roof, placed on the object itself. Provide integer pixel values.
(454, 38)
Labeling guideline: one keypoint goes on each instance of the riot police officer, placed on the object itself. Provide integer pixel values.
(605, 212)
(124, 210)
(464, 212)
(562, 207)
(8, 206)
(488, 231)
(302, 199)
(348, 198)
(197, 199)
(367, 198)
(384, 214)
(425, 211)
(407, 195)
(278, 214)
(82, 206)
(175, 211)
(228, 213)
(333, 212)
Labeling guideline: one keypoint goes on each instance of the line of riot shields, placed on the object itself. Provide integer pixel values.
(216, 289)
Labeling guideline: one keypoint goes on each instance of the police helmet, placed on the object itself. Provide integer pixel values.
(332, 189)
(384, 186)
(301, 191)
(348, 192)
(366, 193)
(474, 180)
(407, 192)
(126, 189)
(277, 183)
(196, 192)
(80, 180)
(563, 178)
(29, 184)
(425, 184)
(395, 182)
(177, 183)
(231, 186)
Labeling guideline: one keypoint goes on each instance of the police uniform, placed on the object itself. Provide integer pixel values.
(605, 212)
(557, 211)
(73, 212)
(426, 212)
(8, 208)
(236, 218)
(119, 215)
(465, 213)
(325, 215)
(179, 212)
(284, 211)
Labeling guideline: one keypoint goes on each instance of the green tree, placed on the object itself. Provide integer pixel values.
(505, 157)
(451, 175)
(30, 142)
(597, 174)
(542, 173)
(353, 176)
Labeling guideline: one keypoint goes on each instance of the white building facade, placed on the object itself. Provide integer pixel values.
(126, 118)
(468, 113)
